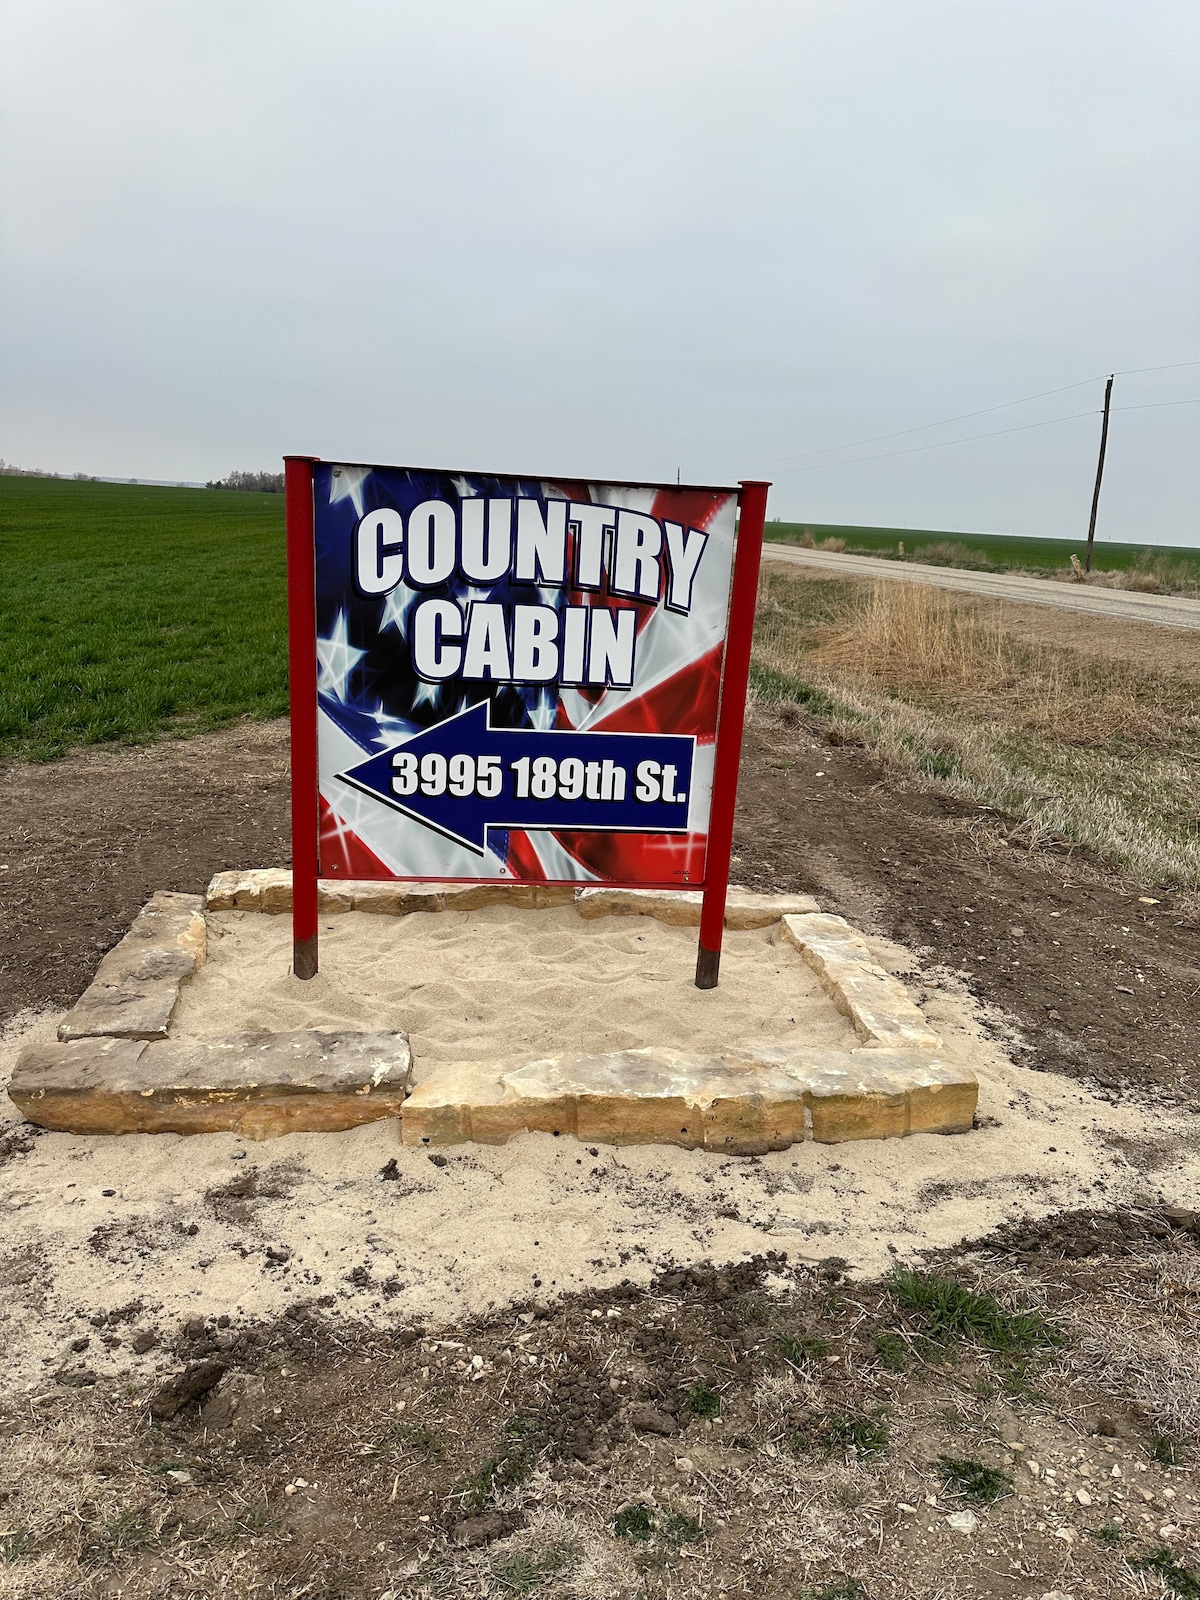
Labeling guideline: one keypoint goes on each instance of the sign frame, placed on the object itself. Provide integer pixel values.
(302, 692)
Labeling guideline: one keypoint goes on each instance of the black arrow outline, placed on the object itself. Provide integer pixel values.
(518, 827)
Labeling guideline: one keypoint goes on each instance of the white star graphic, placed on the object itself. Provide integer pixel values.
(426, 693)
(338, 659)
(463, 488)
(544, 713)
(346, 483)
(392, 730)
(396, 606)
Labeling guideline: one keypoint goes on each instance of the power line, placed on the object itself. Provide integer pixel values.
(901, 433)
(966, 416)
(1171, 366)
(1153, 405)
(946, 443)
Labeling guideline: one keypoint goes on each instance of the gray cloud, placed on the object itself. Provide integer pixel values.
(613, 239)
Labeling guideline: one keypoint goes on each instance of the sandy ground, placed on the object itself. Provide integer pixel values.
(177, 1227)
(482, 985)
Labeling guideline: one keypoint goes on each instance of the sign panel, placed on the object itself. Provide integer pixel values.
(517, 679)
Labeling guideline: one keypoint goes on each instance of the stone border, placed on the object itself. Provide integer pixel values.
(256, 1084)
(740, 1103)
(269, 889)
(137, 984)
(115, 1070)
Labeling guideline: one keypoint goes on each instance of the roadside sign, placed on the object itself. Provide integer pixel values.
(505, 679)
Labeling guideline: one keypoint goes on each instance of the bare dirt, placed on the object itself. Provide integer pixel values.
(765, 1428)
(1102, 984)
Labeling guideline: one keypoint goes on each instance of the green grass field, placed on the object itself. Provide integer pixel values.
(132, 613)
(1178, 567)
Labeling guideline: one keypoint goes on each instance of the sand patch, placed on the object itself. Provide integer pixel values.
(211, 1224)
(501, 983)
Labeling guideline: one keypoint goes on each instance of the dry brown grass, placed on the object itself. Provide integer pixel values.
(908, 638)
(1097, 749)
(832, 543)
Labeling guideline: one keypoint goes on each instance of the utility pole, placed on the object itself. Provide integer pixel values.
(1087, 565)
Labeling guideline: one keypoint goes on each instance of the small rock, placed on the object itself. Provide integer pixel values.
(483, 1529)
(238, 1155)
(1083, 1497)
(80, 1378)
(1056, 1594)
(192, 1384)
(647, 1420)
(80, 1344)
(178, 1475)
(141, 1342)
(962, 1522)
(391, 1172)
(195, 1328)
(442, 1161)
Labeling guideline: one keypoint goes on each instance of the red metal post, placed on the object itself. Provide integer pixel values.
(735, 678)
(302, 687)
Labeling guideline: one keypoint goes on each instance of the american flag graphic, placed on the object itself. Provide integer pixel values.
(371, 697)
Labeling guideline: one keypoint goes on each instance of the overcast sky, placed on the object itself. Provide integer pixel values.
(616, 240)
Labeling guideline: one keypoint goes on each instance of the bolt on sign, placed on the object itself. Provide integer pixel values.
(513, 680)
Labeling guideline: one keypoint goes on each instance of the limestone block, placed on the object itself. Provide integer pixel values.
(400, 899)
(244, 891)
(744, 1102)
(681, 907)
(876, 1002)
(137, 984)
(259, 1085)
(270, 890)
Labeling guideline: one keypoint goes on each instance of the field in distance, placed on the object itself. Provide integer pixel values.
(133, 612)
(1154, 568)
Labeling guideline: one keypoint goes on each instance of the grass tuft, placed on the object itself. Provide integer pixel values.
(801, 1348)
(1179, 1579)
(1109, 1533)
(975, 1483)
(948, 1313)
(1168, 1450)
(17, 1545)
(634, 1523)
(864, 1435)
(703, 1401)
(521, 1573)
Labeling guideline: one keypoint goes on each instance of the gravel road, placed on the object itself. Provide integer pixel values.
(1169, 611)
